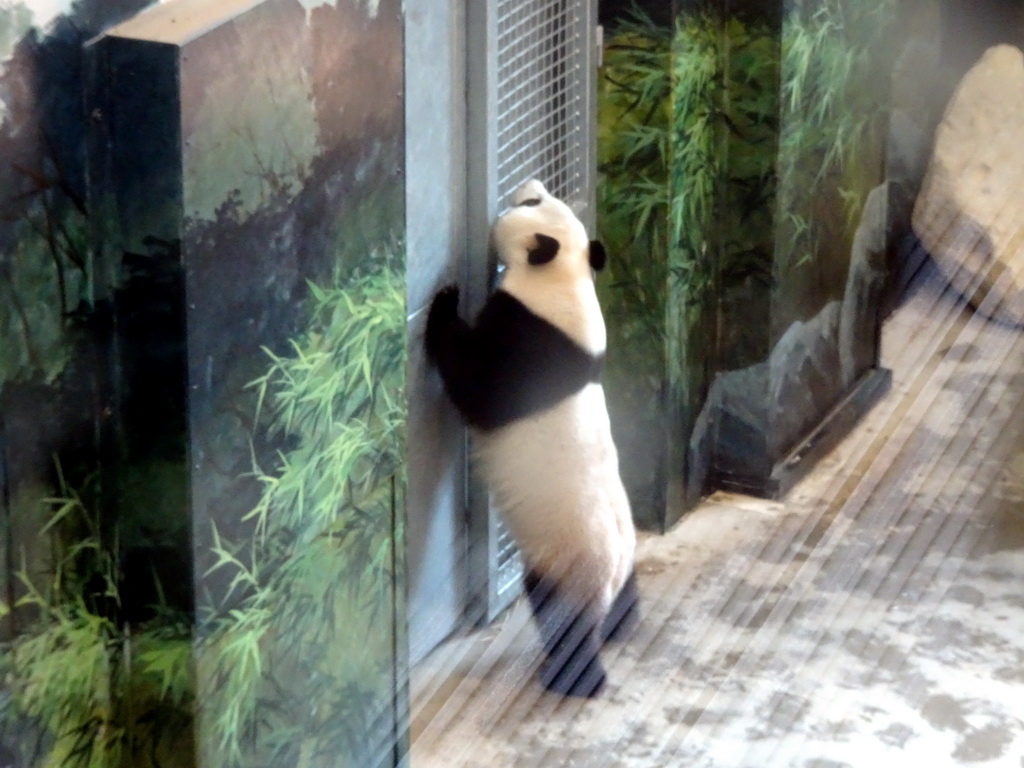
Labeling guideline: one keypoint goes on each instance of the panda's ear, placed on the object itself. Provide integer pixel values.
(545, 250)
(598, 256)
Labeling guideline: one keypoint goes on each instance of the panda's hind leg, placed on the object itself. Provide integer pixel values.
(624, 613)
(570, 633)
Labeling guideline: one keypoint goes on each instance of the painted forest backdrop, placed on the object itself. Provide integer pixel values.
(202, 362)
(742, 187)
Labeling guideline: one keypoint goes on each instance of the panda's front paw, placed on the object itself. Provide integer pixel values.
(446, 303)
(444, 310)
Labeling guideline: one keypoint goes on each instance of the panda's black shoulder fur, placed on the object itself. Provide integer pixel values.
(509, 365)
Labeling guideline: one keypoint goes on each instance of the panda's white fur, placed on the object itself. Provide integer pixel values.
(526, 376)
(563, 461)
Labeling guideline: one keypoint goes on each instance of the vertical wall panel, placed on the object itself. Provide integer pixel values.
(60, 635)
(435, 71)
(250, 206)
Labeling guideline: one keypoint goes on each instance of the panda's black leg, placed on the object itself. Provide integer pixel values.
(569, 632)
(625, 611)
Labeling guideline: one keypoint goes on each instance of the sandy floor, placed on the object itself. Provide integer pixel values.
(873, 618)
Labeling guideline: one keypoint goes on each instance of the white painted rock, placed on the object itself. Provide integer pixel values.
(969, 214)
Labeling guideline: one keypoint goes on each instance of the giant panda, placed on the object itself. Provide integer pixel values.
(526, 377)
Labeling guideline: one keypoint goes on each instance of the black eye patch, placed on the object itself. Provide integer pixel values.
(533, 201)
(544, 252)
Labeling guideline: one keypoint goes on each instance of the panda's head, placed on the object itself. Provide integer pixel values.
(541, 233)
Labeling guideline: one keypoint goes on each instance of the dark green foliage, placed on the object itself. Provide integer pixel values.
(44, 276)
(634, 158)
(45, 272)
(100, 693)
(687, 149)
(634, 113)
(681, 108)
(832, 91)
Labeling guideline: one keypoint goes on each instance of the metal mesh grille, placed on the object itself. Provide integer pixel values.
(535, 94)
(540, 100)
(508, 565)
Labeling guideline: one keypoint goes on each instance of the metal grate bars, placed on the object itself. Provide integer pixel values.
(539, 99)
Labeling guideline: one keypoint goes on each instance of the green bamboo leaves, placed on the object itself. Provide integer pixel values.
(104, 696)
(833, 55)
(302, 621)
(688, 133)
(294, 662)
